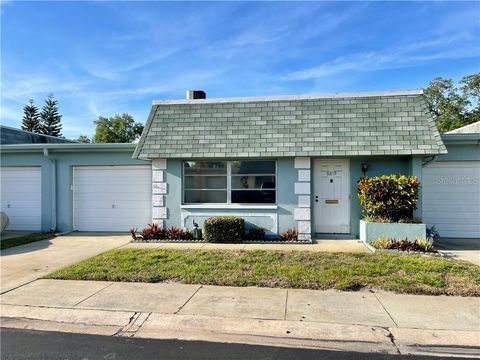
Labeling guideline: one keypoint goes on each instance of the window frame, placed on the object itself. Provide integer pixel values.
(229, 183)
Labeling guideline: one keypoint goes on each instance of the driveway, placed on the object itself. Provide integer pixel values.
(23, 264)
(464, 249)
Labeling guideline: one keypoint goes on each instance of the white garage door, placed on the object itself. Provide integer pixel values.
(21, 197)
(451, 198)
(111, 198)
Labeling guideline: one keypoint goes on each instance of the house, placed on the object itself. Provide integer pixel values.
(282, 162)
(9, 136)
(278, 162)
(74, 186)
(451, 185)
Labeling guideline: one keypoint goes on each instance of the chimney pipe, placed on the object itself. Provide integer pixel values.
(196, 94)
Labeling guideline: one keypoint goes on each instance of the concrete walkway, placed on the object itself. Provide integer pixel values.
(463, 249)
(25, 263)
(319, 246)
(358, 321)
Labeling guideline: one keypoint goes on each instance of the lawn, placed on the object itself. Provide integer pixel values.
(25, 239)
(412, 274)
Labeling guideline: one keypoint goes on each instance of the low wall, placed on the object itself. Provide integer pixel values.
(400, 231)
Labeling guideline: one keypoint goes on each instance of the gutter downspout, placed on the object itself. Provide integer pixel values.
(54, 188)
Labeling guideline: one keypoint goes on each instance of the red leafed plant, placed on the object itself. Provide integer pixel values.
(177, 233)
(290, 235)
(157, 232)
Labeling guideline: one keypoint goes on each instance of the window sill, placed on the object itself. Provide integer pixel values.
(230, 206)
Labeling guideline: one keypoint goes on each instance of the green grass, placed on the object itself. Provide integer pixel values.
(25, 239)
(413, 274)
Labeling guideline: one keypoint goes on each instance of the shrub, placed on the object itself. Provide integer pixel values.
(377, 219)
(391, 197)
(153, 232)
(382, 242)
(226, 229)
(432, 232)
(256, 233)
(133, 232)
(157, 232)
(177, 233)
(425, 245)
(290, 235)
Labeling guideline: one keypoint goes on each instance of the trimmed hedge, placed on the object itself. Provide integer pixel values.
(224, 229)
(392, 197)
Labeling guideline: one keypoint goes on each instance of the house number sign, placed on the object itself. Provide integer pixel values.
(331, 172)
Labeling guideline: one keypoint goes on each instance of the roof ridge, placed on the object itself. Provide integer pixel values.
(293, 97)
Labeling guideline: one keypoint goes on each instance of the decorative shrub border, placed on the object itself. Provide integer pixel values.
(272, 241)
(399, 252)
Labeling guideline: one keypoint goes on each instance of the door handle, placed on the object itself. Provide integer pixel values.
(316, 198)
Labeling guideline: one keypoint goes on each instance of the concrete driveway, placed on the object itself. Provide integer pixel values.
(464, 249)
(23, 264)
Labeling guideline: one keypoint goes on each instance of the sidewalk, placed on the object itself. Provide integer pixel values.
(320, 246)
(357, 321)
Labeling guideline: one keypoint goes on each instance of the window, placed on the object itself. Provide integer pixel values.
(229, 182)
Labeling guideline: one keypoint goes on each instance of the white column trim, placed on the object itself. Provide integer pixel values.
(159, 190)
(302, 214)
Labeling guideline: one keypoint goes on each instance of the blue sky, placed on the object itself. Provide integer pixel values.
(104, 58)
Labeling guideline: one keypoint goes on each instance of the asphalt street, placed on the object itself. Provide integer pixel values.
(30, 344)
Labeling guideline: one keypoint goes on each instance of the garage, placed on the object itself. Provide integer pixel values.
(451, 198)
(111, 198)
(21, 197)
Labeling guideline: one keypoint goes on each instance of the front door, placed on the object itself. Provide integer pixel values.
(332, 196)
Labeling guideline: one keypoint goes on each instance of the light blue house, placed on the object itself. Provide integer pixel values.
(282, 162)
(278, 162)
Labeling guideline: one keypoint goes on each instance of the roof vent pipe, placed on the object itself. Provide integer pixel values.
(196, 94)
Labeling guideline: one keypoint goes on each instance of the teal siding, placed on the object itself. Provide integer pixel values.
(286, 177)
(65, 161)
(461, 151)
(377, 166)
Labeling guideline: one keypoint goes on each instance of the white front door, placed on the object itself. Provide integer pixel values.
(112, 198)
(332, 196)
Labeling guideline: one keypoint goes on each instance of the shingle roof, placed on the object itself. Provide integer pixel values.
(392, 123)
(9, 135)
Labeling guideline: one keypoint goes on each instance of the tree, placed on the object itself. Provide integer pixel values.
(51, 118)
(84, 139)
(453, 107)
(116, 129)
(31, 118)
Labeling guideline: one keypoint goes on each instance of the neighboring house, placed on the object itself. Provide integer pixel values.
(451, 185)
(9, 136)
(278, 162)
(282, 162)
(65, 187)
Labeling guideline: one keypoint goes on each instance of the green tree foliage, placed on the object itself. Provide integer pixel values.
(454, 106)
(84, 139)
(31, 118)
(116, 129)
(51, 118)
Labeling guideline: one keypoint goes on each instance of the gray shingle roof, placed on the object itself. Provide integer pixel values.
(392, 123)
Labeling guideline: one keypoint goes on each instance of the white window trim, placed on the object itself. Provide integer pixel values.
(229, 204)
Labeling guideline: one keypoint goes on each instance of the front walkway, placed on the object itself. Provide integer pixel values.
(25, 263)
(359, 321)
(464, 249)
(319, 246)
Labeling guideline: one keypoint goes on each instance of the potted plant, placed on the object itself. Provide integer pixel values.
(388, 203)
